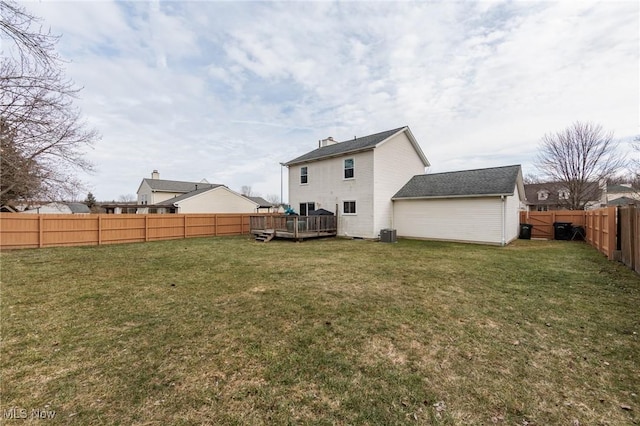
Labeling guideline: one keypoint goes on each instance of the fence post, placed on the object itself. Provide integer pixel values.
(40, 231)
(611, 234)
(184, 225)
(215, 225)
(146, 227)
(99, 229)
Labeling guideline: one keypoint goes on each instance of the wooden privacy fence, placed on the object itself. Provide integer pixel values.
(19, 230)
(543, 221)
(629, 236)
(614, 231)
(602, 230)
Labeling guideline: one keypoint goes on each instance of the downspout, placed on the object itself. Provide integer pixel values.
(503, 242)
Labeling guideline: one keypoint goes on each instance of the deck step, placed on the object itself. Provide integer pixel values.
(265, 236)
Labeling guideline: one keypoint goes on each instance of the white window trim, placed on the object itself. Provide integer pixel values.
(307, 175)
(355, 204)
(344, 169)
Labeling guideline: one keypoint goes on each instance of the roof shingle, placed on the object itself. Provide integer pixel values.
(176, 185)
(190, 194)
(358, 144)
(491, 181)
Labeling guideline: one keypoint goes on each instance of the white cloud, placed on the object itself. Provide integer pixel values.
(227, 90)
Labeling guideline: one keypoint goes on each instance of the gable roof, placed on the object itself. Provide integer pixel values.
(468, 183)
(620, 189)
(260, 201)
(210, 187)
(364, 143)
(162, 185)
(189, 194)
(622, 201)
(592, 189)
(78, 208)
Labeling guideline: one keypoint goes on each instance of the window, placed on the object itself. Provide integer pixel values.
(543, 195)
(306, 208)
(348, 168)
(543, 208)
(349, 207)
(563, 194)
(304, 175)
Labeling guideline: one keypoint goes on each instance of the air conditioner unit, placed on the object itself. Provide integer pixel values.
(388, 235)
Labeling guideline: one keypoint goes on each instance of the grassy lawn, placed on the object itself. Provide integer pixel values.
(229, 331)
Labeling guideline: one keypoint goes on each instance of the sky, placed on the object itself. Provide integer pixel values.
(226, 91)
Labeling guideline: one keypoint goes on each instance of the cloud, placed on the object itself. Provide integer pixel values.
(227, 90)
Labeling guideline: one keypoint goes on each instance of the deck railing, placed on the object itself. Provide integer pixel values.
(296, 225)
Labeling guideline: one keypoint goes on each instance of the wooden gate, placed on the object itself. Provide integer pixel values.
(543, 221)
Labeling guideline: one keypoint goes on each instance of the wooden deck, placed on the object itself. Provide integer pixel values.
(293, 227)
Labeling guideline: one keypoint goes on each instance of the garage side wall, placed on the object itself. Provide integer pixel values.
(475, 220)
(513, 217)
(218, 200)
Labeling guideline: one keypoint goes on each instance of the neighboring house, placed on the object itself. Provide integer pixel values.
(550, 196)
(480, 206)
(263, 205)
(356, 179)
(622, 201)
(59, 208)
(623, 194)
(170, 196)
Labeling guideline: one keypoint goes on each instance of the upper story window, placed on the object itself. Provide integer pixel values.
(543, 195)
(348, 168)
(563, 194)
(304, 175)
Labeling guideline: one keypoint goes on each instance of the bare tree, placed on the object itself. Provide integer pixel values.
(635, 161)
(273, 199)
(246, 191)
(580, 157)
(531, 178)
(43, 137)
(127, 198)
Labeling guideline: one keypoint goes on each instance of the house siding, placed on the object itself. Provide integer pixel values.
(395, 163)
(154, 197)
(327, 188)
(477, 219)
(513, 216)
(218, 200)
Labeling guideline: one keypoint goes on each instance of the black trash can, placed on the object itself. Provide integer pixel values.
(578, 233)
(525, 231)
(562, 230)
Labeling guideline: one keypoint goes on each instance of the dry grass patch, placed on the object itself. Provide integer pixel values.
(227, 331)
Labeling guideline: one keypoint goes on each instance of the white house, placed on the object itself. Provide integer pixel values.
(480, 206)
(59, 208)
(171, 196)
(377, 182)
(356, 179)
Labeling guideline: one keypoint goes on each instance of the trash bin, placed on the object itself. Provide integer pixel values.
(525, 231)
(388, 235)
(578, 233)
(562, 230)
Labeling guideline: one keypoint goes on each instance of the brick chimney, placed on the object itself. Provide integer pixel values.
(155, 175)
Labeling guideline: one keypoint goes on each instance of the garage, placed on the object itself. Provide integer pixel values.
(476, 206)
